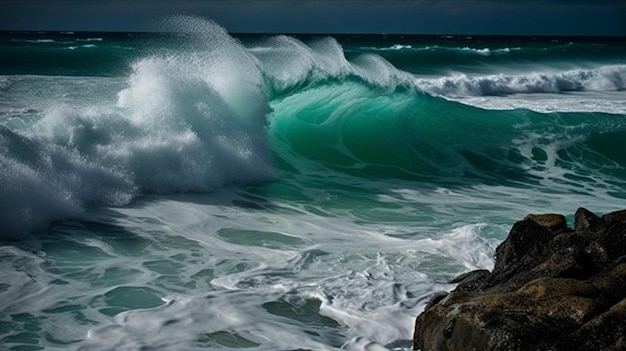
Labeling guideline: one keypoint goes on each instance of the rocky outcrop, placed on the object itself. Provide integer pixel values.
(552, 288)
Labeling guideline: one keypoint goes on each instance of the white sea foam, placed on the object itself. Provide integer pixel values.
(613, 102)
(400, 47)
(41, 41)
(603, 78)
(370, 284)
(192, 121)
(87, 46)
(433, 48)
(482, 52)
(5, 82)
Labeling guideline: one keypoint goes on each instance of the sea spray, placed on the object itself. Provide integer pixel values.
(204, 108)
(290, 65)
(188, 121)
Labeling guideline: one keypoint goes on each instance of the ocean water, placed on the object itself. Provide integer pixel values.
(193, 189)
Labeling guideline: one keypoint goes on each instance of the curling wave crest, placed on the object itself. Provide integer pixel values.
(179, 125)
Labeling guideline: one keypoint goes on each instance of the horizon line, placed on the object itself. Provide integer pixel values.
(394, 34)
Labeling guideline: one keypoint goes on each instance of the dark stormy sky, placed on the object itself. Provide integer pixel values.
(512, 17)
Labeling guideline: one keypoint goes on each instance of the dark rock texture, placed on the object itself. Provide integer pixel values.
(552, 288)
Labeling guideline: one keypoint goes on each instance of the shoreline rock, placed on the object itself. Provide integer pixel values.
(552, 288)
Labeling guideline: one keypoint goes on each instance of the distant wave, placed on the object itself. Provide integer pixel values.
(485, 51)
(46, 41)
(87, 46)
(288, 62)
(37, 41)
(468, 50)
(605, 78)
(66, 57)
(400, 47)
(444, 49)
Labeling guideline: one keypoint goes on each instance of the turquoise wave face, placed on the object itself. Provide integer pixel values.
(360, 129)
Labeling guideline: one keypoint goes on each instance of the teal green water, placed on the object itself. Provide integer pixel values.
(206, 191)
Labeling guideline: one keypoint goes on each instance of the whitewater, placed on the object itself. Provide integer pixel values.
(194, 189)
